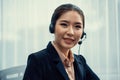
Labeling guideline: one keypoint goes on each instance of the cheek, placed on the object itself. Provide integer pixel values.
(58, 35)
(59, 32)
(78, 36)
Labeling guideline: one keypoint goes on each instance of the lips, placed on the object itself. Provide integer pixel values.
(68, 40)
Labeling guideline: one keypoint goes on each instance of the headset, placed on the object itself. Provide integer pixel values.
(52, 28)
(83, 37)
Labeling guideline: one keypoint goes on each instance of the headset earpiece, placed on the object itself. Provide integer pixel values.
(83, 34)
(51, 28)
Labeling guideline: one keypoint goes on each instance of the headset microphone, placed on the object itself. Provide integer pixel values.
(84, 36)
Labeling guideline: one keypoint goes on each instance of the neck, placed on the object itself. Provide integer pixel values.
(63, 50)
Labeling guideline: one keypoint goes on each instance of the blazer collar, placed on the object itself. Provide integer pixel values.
(78, 64)
(54, 57)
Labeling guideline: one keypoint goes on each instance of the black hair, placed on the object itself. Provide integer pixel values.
(60, 10)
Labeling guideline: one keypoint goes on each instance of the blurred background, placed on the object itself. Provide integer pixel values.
(24, 29)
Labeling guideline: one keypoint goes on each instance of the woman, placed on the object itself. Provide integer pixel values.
(57, 62)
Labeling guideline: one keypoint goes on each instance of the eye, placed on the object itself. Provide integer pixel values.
(78, 26)
(64, 24)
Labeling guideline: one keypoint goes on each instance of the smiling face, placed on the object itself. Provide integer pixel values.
(68, 30)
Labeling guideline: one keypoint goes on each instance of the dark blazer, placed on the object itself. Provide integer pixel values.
(47, 65)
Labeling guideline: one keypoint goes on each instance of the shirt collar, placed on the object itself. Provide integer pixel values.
(66, 60)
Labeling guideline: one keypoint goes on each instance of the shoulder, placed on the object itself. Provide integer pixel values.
(90, 75)
(38, 56)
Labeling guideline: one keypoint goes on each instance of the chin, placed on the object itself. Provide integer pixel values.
(68, 46)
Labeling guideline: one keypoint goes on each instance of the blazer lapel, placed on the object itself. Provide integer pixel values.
(61, 69)
(56, 61)
(79, 69)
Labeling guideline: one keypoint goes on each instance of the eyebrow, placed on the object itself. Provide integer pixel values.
(69, 22)
(64, 21)
(78, 23)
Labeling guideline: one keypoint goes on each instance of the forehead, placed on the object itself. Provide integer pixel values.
(72, 16)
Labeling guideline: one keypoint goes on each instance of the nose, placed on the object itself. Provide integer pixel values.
(70, 31)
